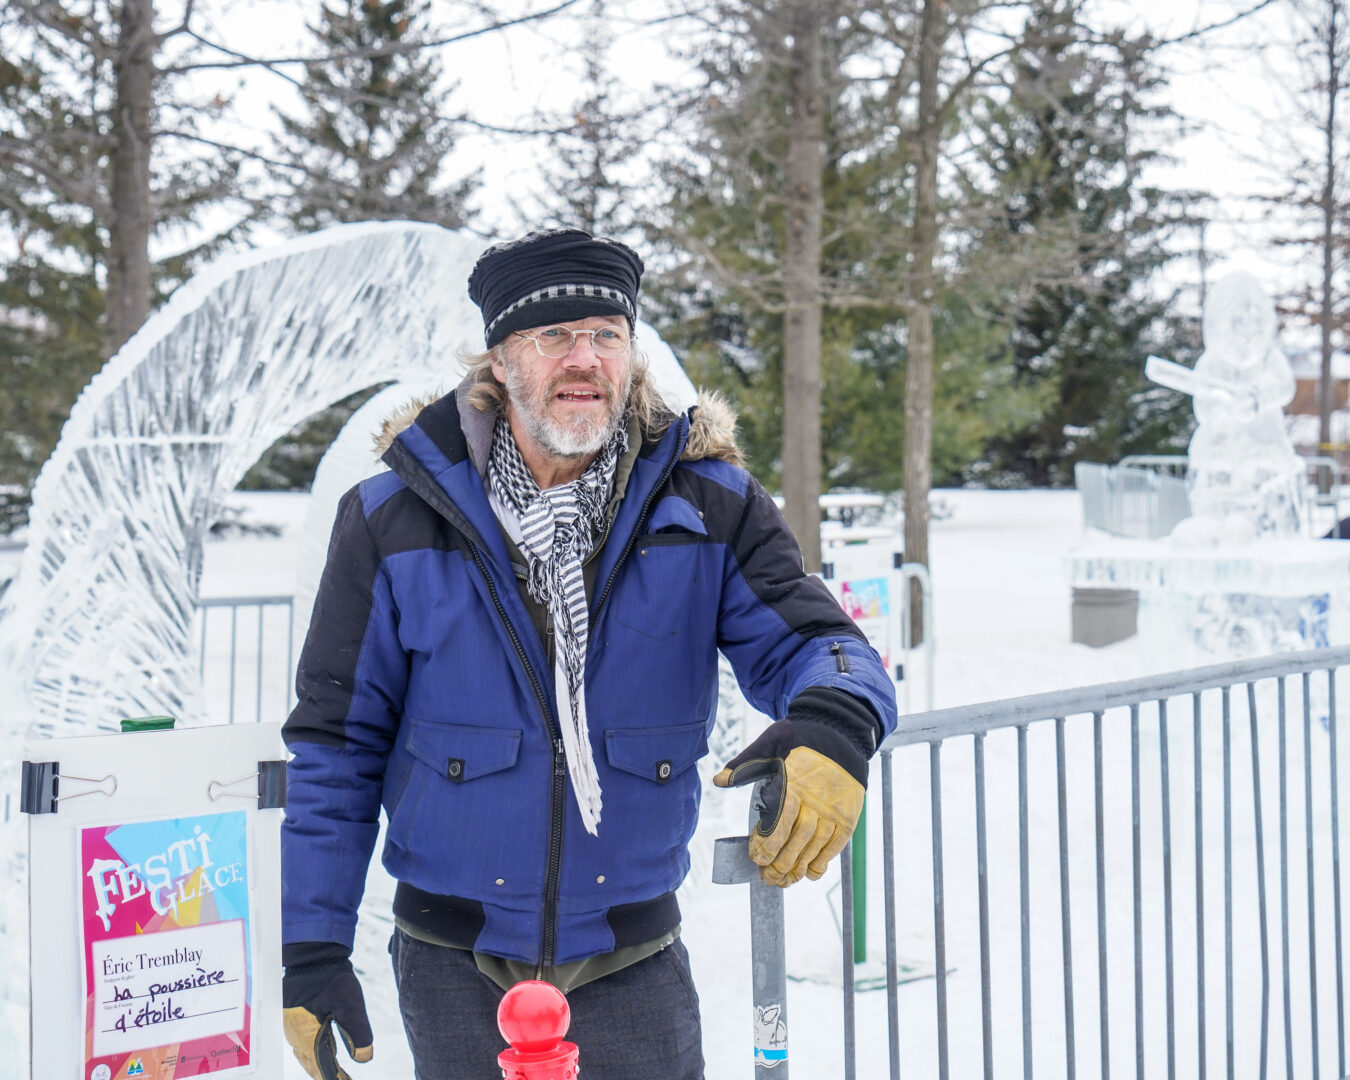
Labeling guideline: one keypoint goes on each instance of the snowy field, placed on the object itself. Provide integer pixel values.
(1002, 630)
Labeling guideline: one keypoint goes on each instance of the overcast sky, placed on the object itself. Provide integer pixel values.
(1231, 92)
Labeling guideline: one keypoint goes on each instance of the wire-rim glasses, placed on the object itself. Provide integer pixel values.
(555, 342)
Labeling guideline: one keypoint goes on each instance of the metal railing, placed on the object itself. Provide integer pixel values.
(1167, 464)
(1174, 870)
(247, 652)
(1131, 500)
(1323, 474)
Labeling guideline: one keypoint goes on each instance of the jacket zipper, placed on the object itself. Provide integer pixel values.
(840, 660)
(558, 793)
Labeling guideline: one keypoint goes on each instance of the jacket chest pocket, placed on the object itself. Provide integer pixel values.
(663, 572)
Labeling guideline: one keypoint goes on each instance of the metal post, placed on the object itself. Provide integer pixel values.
(858, 852)
(850, 1004)
(732, 865)
(769, 979)
(1260, 878)
(888, 881)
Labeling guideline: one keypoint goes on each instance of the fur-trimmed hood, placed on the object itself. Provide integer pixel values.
(712, 430)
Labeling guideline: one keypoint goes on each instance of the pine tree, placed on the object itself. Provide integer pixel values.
(370, 146)
(81, 196)
(725, 303)
(589, 150)
(372, 141)
(750, 213)
(1067, 148)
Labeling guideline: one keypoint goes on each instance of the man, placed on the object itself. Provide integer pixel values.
(513, 650)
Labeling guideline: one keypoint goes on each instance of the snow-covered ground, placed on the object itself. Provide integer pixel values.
(1002, 611)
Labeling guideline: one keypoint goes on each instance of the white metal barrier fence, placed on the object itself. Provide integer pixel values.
(247, 656)
(1139, 878)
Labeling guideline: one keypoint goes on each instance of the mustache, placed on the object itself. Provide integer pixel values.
(602, 387)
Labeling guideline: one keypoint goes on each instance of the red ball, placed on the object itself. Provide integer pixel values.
(533, 1016)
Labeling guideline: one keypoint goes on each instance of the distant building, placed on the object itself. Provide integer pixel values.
(1301, 414)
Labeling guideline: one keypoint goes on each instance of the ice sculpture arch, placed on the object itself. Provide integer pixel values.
(98, 624)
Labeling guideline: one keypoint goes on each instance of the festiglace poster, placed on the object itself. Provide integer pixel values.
(867, 603)
(165, 912)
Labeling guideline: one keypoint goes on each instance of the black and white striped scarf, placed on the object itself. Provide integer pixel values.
(559, 529)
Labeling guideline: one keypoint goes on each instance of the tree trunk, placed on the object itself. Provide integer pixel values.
(801, 271)
(129, 190)
(1326, 393)
(918, 471)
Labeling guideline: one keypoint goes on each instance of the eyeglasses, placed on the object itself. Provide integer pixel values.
(555, 342)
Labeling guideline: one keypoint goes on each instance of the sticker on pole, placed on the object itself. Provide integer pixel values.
(770, 1036)
(165, 911)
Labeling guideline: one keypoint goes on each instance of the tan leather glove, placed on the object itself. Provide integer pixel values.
(816, 768)
(319, 994)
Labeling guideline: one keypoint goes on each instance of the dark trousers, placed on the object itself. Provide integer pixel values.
(641, 1023)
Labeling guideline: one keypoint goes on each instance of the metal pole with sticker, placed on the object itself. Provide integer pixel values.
(732, 865)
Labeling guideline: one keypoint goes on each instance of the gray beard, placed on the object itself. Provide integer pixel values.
(562, 440)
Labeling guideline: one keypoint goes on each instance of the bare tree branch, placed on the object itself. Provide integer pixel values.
(231, 148)
(181, 28)
(67, 187)
(394, 49)
(1201, 31)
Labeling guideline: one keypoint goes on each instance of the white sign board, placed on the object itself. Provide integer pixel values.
(154, 904)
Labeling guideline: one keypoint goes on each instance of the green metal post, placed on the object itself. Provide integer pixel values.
(860, 887)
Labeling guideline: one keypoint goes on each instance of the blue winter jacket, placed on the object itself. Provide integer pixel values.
(424, 688)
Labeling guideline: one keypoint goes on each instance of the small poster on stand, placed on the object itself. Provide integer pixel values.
(154, 902)
(867, 602)
(165, 914)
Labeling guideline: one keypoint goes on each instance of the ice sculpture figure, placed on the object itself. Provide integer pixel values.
(1246, 482)
(1241, 576)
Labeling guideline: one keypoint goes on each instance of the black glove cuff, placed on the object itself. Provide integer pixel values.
(838, 709)
(311, 966)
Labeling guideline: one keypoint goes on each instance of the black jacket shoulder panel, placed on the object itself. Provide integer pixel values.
(440, 421)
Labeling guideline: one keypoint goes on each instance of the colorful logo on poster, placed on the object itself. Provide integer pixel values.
(135, 1068)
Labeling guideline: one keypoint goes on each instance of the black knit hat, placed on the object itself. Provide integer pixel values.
(552, 277)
